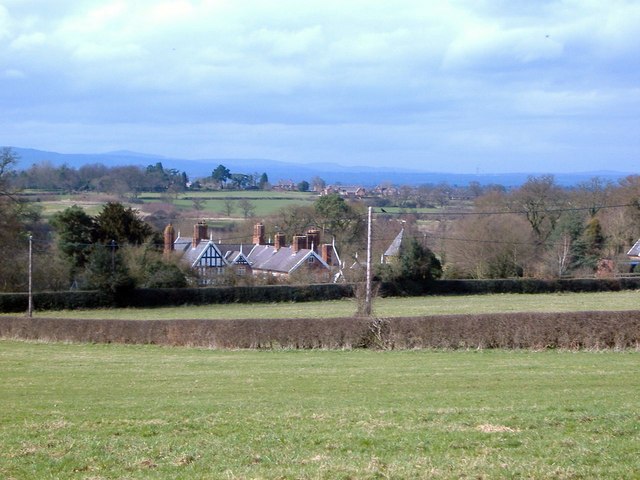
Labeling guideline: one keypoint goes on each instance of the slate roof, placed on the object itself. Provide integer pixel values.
(191, 255)
(394, 248)
(259, 257)
(635, 250)
(283, 260)
(233, 252)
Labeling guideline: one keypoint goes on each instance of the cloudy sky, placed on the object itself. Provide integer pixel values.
(458, 86)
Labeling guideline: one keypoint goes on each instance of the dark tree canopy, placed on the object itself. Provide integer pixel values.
(221, 174)
(76, 233)
(115, 222)
(418, 263)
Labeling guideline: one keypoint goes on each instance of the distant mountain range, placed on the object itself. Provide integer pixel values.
(277, 170)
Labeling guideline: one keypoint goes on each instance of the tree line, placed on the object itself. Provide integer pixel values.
(127, 181)
(539, 230)
(542, 230)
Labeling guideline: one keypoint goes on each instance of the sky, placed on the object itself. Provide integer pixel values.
(467, 86)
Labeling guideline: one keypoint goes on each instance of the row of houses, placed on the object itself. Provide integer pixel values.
(305, 254)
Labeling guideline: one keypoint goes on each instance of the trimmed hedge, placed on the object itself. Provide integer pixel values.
(520, 285)
(575, 330)
(161, 297)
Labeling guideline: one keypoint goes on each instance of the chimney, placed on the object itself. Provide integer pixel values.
(327, 253)
(258, 234)
(169, 238)
(199, 233)
(299, 242)
(280, 240)
(313, 239)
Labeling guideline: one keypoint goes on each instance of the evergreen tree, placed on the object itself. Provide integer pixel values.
(221, 174)
(107, 271)
(76, 233)
(418, 263)
(115, 222)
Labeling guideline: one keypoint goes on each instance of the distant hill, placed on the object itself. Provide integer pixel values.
(277, 170)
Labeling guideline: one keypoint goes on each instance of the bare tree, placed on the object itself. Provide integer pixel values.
(541, 200)
(247, 207)
(592, 195)
(8, 160)
(489, 246)
(229, 206)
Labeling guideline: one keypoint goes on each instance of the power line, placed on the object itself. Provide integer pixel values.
(516, 212)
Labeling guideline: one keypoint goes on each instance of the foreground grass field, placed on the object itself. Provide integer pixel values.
(383, 307)
(112, 411)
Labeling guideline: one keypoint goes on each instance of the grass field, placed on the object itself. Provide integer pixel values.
(113, 411)
(213, 203)
(383, 307)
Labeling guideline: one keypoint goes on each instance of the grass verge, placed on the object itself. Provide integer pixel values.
(383, 307)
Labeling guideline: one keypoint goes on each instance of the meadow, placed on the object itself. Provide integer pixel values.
(382, 307)
(211, 203)
(114, 411)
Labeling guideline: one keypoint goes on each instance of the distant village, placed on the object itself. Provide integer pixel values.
(539, 229)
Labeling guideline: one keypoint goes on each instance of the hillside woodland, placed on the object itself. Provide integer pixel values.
(536, 230)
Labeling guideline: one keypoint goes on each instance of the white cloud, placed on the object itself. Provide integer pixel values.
(28, 41)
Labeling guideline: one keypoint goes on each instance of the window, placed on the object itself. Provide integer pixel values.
(311, 259)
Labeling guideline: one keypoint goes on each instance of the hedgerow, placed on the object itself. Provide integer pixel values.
(573, 330)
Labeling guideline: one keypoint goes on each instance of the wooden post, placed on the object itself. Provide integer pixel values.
(30, 306)
(367, 298)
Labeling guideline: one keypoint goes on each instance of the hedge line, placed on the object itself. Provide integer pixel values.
(520, 285)
(160, 297)
(575, 330)
(17, 302)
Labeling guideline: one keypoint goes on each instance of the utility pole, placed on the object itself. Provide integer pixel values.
(30, 307)
(367, 298)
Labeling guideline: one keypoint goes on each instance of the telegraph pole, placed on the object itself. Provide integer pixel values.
(30, 307)
(367, 298)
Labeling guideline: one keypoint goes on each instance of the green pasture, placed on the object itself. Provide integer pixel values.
(114, 411)
(382, 307)
(234, 194)
(213, 203)
(51, 207)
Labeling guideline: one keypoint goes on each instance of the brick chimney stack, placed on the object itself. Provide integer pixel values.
(169, 238)
(279, 240)
(327, 253)
(200, 232)
(313, 239)
(258, 234)
(299, 242)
